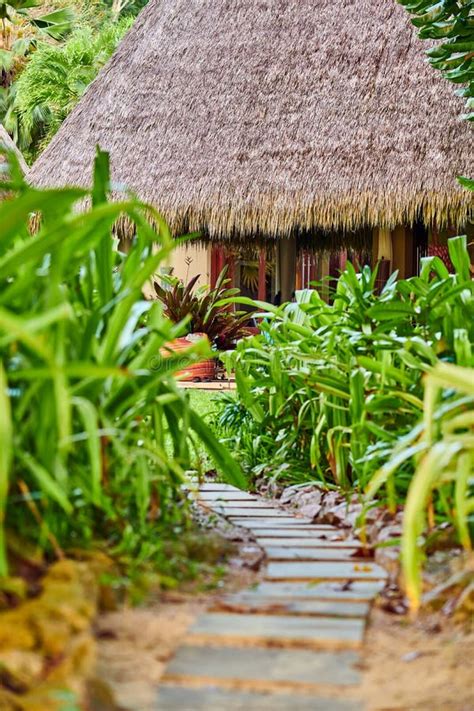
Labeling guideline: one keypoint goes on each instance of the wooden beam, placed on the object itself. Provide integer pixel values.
(262, 276)
(287, 267)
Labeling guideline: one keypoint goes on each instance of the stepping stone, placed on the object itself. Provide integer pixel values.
(311, 541)
(286, 553)
(293, 570)
(265, 666)
(216, 486)
(278, 630)
(309, 530)
(226, 496)
(268, 605)
(179, 698)
(261, 523)
(258, 512)
(231, 507)
(334, 591)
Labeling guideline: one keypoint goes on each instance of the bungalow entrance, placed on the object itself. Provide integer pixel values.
(271, 272)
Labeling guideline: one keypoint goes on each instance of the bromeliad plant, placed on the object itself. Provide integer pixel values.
(201, 310)
(95, 436)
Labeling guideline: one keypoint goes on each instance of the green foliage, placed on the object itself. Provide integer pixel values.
(204, 310)
(95, 434)
(21, 32)
(55, 79)
(334, 391)
(63, 69)
(54, 25)
(451, 23)
(125, 8)
(333, 384)
(444, 466)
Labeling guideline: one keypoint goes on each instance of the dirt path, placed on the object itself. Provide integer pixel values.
(291, 636)
(293, 640)
(422, 666)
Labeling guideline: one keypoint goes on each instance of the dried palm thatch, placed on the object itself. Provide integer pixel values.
(8, 146)
(274, 117)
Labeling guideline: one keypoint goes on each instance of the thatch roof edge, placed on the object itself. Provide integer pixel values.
(347, 213)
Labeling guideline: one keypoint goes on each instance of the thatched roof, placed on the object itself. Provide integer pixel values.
(7, 144)
(266, 117)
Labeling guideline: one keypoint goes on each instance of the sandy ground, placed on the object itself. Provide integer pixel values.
(134, 646)
(406, 667)
(423, 666)
(427, 665)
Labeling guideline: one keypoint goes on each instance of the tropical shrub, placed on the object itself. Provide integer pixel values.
(95, 435)
(444, 465)
(22, 31)
(55, 78)
(334, 391)
(202, 311)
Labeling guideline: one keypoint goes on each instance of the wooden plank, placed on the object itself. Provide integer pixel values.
(273, 666)
(324, 571)
(306, 530)
(278, 630)
(305, 539)
(234, 507)
(213, 385)
(258, 524)
(180, 698)
(226, 496)
(307, 553)
(326, 590)
(259, 512)
(217, 486)
(267, 604)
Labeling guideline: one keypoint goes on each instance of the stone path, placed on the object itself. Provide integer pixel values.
(291, 642)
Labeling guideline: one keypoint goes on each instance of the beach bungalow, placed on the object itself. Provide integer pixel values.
(291, 134)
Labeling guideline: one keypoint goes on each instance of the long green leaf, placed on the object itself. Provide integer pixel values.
(227, 466)
(6, 455)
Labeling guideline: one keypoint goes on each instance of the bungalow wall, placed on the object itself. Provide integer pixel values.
(280, 268)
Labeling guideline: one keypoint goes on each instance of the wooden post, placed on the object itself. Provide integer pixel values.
(287, 267)
(262, 276)
(401, 251)
(217, 263)
(385, 249)
(342, 259)
(230, 261)
(384, 255)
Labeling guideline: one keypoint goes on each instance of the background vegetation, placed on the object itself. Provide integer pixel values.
(49, 53)
(96, 436)
(334, 392)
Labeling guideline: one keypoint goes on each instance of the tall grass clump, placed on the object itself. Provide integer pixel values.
(334, 392)
(95, 436)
